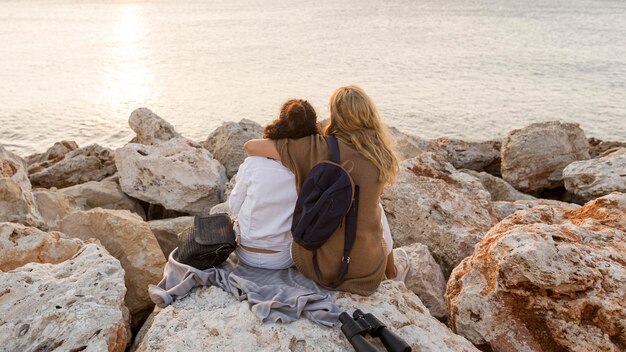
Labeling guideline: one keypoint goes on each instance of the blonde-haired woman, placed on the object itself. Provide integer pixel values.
(354, 120)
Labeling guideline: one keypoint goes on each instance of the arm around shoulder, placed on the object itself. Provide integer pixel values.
(262, 147)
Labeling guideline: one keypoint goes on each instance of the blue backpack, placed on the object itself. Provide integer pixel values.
(328, 197)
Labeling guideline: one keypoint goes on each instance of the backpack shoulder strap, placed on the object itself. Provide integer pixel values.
(333, 145)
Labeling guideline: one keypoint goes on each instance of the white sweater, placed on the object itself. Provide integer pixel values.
(263, 201)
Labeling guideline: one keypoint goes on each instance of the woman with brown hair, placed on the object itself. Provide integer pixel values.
(264, 196)
(363, 140)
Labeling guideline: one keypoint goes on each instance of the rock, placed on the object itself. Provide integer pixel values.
(434, 204)
(208, 319)
(498, 188)
(74, 305)
(230, 185)
(426, 280)
(150, 128)
(597, 177)
(478, 156)
(599, 148)
(226, 143)
(546, 280)
(177, 174)
(409, 146)
(53, 206)
(533, 158)
(221, 208)
(158, 212)
(20, 245)
(53, 154)
(103, 194)
(91, 163)
(16, 200)
(166, 232)
(129, 239)
(504, 208)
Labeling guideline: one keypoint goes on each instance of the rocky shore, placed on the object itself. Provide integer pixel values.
(515, 245)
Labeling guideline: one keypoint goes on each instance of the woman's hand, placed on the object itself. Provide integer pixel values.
(262, 147)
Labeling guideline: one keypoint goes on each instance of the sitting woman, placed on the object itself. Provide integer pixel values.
(264, 196)
(355, 122)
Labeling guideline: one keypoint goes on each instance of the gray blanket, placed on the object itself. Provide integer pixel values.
(274, 295)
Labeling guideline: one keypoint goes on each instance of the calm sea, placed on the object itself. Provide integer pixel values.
(463, 68)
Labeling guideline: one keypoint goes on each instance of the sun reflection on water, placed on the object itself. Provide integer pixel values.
(128, 82)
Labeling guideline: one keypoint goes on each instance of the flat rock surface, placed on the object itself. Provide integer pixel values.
(425, 279)
(177, 174)
(74, 305)
(53, 206)
(129, 239)
(103, 194)
(209, 319)
(498, 188)
(505, 208)
(546, 280)
(597, 177)
(478, 156)
(434, 204)
(533, 158)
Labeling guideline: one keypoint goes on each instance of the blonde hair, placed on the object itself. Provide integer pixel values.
(354, 119)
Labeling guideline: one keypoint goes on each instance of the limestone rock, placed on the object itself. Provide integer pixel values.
(478, 156)
(150, 128)
(505, 208)
(546, 280)
(166, 232)
(597, 177)
(129, 239)
(533, 158)
(226, 143)
(16, 200)
(53, 154)
(599, 148)
(103, 194)
(20, 245)
(208, 319)
(230, 185)
(53, 206)
(499, 188)
(408, 146)
(425, 279)
(75, 305)
(177, 174)
(91, 163)
(434, 204)
(221, 208)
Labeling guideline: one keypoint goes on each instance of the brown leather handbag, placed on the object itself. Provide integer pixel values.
(208, 243)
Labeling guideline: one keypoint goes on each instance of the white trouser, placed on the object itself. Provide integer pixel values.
(274, 261)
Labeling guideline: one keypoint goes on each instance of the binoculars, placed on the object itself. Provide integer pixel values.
(358, 325)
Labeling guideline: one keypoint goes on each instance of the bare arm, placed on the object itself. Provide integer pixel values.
(262, 147)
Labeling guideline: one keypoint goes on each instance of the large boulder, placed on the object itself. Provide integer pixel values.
(226, 143)
(53, 206)
(150, 128)
(478, 156)
(599, 148)
(498, 188)
(597, 177)
(208, 319)
(178, 174)
(53, 154)
(166, 232)
(103, 194)
(546, 280)
(434, 204)
(408, 146)
(16, 200)
(129, 239)
(533, 158)
(20, 245)
(505, 208)
(91, 163)
(425, 279)
(74, 302)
